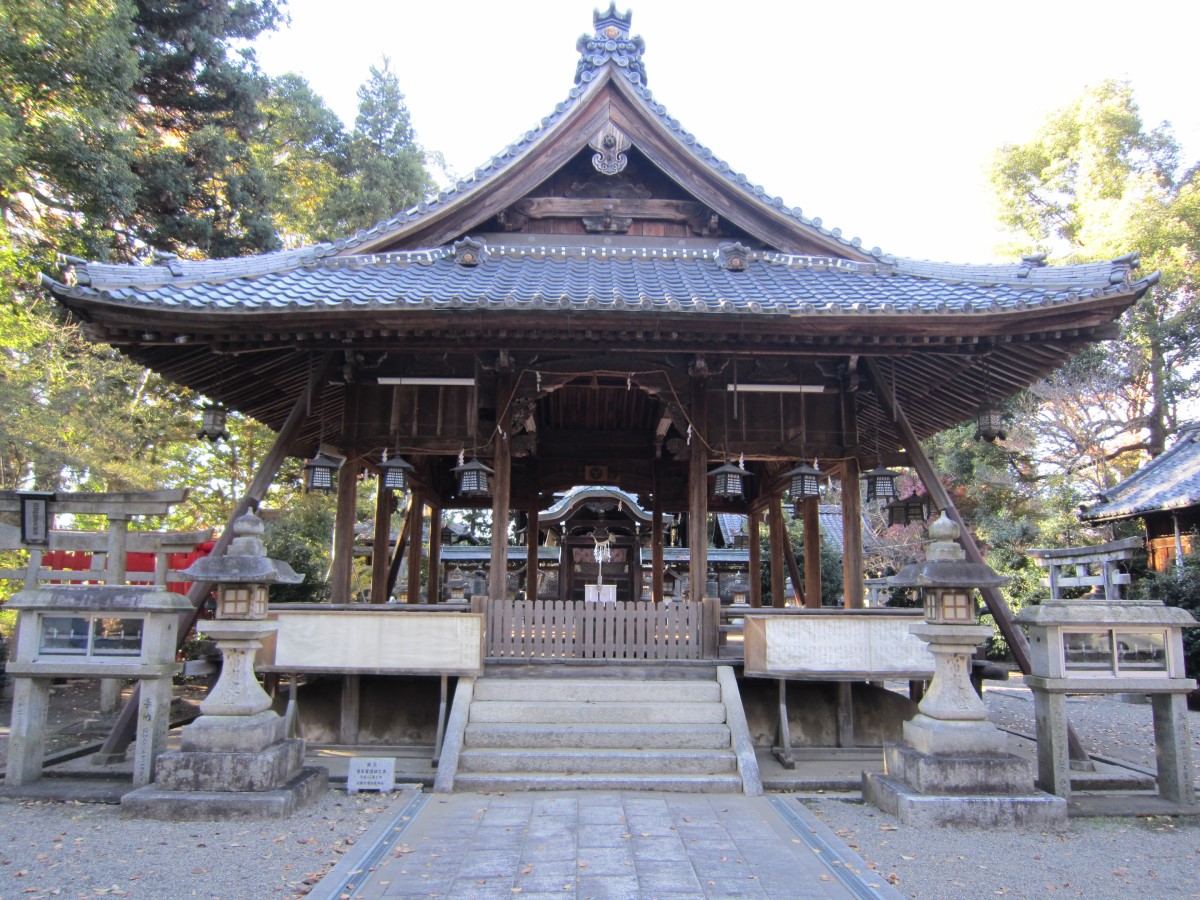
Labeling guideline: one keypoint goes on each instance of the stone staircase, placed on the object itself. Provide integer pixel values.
(603, 729)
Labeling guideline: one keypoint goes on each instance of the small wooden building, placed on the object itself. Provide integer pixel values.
(603, 301)
(1165, 495)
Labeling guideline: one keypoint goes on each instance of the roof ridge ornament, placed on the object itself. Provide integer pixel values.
(611, 42)
(734, 257)
(468, 251)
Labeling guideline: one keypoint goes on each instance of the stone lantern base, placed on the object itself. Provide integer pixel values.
(975, 790)
(240, 768)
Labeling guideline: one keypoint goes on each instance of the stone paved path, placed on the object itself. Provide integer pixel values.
(609, 845)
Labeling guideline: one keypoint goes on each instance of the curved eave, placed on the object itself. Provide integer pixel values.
(526, 163)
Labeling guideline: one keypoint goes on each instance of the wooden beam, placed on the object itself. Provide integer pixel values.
(1018, 644)
(698, 489)
(754, 576)
(341, 572)
(811, 511)
(397, 559)
(532, 534)
(793, 567)
(852, 539)
(416, 540)
(777, 534)
(501, 491)
(434, 595)
(656, 537)
(385, 502)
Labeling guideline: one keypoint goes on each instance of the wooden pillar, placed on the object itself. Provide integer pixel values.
(385, 502)
(754, 576)
(698, 490)
(852, 542)
(789, 557)
(435, 555)
(393, 574)
(416, 538)
(532, 535)
(342, 570)
(777, 534)
(811, 511)
(656, 537)
(501, 493)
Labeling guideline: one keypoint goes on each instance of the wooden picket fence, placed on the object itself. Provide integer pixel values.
(558, 629)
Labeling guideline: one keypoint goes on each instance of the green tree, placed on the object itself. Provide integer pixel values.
(384, 170)
(302, 147)
(1093, 184)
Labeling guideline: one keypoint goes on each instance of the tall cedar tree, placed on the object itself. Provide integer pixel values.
(384, 170)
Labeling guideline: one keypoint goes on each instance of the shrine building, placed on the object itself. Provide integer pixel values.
(604, 309)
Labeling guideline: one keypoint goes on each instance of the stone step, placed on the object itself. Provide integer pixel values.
(599, 736)
(589, 690)
(610, 713)
(598, 762)
(540, 781)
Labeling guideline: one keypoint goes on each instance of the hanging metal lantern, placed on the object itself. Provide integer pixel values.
(906, 511)
(990, 423)
(730, 482)
(212, 423)
(990, 418)
(805, 481)
(473, 479)
(319, 473)
(393, 473)
(881, 483)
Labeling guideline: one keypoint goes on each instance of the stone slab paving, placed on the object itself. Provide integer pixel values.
(604, 845)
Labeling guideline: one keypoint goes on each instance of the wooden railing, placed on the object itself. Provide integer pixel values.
(557, 629)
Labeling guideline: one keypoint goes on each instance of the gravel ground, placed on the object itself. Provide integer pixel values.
(74, 850)
(1097, 858)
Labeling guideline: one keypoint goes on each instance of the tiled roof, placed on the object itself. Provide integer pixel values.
(594, 278)
(1172, 481)
(601, 54)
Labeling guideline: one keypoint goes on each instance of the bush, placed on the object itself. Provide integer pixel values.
(1180, 586)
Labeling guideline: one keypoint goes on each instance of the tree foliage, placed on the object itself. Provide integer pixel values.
(1094, 183)
(131, 125)
(384, 169)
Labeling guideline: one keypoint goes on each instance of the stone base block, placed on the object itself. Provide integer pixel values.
(264, 770)
(929, 773)
(150, 802)
(966, 737)
(1030, 810)
(233, 734)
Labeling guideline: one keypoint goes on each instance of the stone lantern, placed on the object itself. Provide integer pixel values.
(236, 759)
(953, 766)
(456, 586)
(739, 591)
(1106, 645)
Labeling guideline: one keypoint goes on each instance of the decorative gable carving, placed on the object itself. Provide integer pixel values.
(610, 145)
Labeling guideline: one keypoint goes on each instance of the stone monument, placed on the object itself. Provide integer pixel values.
(236, 760)
(953, 767)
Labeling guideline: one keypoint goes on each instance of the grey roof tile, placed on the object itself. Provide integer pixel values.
(1171, 481)
(590, 278)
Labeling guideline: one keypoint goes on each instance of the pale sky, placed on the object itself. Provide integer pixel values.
(878, 117)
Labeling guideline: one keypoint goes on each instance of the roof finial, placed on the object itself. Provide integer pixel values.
(611, 42)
